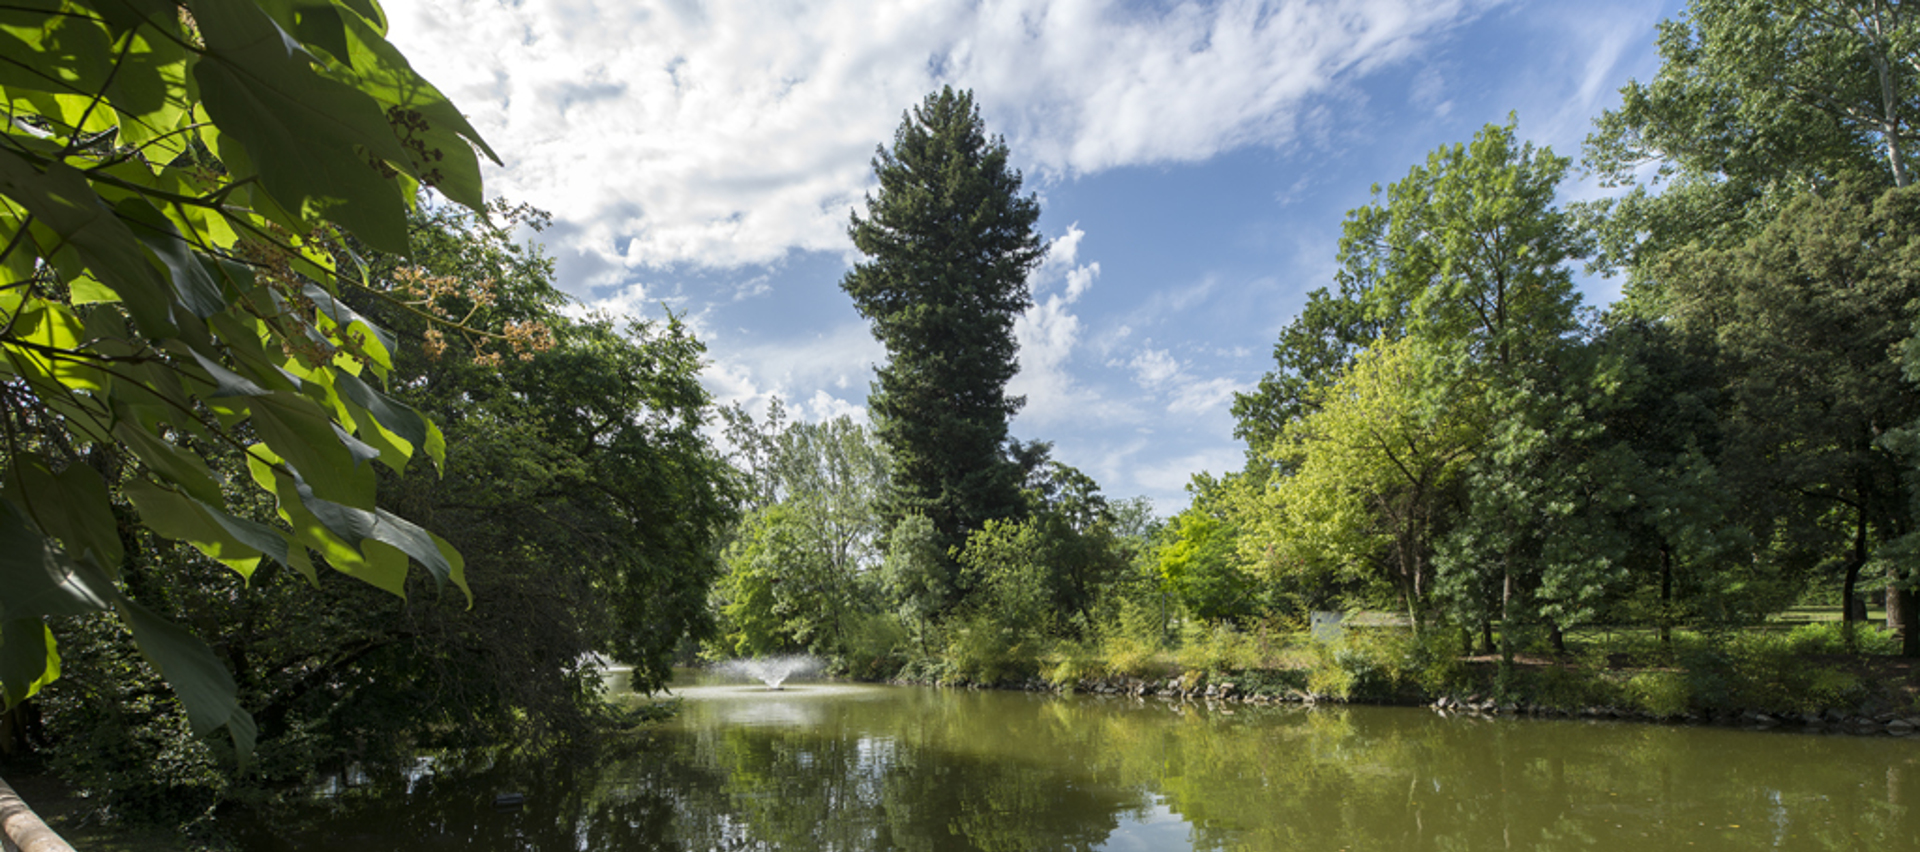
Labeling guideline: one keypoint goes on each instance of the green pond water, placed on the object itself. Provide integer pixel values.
(839, 767)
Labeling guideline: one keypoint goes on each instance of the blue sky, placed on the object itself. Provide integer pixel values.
(1194, 162)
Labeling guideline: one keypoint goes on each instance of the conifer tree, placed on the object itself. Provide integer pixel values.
(949, 241)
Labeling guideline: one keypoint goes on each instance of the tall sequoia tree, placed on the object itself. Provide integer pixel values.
(950, 242)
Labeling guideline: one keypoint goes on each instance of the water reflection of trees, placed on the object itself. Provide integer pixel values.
(926, 771)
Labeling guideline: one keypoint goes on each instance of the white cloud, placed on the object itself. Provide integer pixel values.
(1048, 334)
(825, 406)
(1428, 92)
(1165, 479)
(1158, 373)
(633, 300)
(748, 373)
(1154, 368)
(1193, 397)
(734, 131)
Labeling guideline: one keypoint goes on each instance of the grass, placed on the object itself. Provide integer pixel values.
(1801, 663)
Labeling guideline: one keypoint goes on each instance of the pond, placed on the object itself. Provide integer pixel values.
(842, 767)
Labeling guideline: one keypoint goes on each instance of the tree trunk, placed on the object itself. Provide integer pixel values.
(1666, 598)
(1890, 117)
(1506, 619)
(1903, 616)
(1852, 580)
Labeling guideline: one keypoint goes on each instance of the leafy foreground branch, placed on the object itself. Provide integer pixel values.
(176, 183)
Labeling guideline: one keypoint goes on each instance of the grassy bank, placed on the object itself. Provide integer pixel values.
(1805, 673)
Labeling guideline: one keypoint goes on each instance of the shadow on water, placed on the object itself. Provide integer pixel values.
(822, 766)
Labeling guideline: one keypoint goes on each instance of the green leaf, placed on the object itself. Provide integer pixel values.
(226, 383)
(183, 469)
(318, 24)
(369, 9)
(439, 139)
(310, 532)
(61, 200)
(347, 320)
(197, 677)
(191, 282)
(301, 130)
(359, 542)
(237, 543)
(127, 15)
(305, 435)
(402, 420)
(72, 506)
(394, 451)
(242, 334)
(73, 56)
(148, 90)
(39, 579)
(52, 326)
(29, 658)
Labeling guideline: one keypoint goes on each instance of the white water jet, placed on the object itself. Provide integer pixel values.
(772, 671)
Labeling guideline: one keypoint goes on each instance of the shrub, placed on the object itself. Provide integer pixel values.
(1827, 687)
(1069, 663)
(1384, 664)
(1766, 671)
(1664, 694)
(1569, 687)
(1130, 657)
(876, 648)
(1330, 676)
(1829, 637)
(983, 651)
(1215, 650)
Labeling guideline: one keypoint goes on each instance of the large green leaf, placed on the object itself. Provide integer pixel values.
(439, 139)
(71, 58)
(225, 382)
(397, 417)
(72, 506)
(148, 89)
(194, 286)
(242, 335)
(60, 199)
(29, 658)
(128, 15)
(306, 436)
(203, 684)
(304, 132)
(39, 579)
(375, 566)
(183, 469)
(348, 321)
(360, 528)
(358, 542)
(237, 543)
(51, 333)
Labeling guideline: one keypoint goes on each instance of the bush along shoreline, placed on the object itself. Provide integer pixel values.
(1810, 678)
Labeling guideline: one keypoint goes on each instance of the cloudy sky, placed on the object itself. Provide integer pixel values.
(1193, 162)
